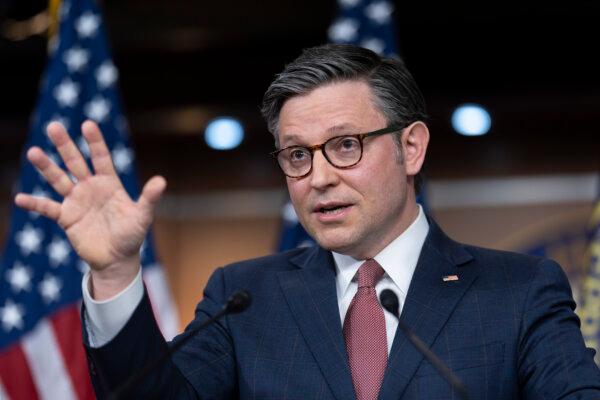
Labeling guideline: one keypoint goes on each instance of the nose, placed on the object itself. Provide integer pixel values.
(323, 174)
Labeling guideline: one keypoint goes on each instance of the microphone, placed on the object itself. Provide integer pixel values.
(390, 303)
(236, 303)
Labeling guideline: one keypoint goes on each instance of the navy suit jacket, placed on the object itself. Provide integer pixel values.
(506, 327)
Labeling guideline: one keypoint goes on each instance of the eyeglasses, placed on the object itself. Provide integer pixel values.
(340, 151)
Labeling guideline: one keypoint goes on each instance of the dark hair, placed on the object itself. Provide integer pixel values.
(394, 89)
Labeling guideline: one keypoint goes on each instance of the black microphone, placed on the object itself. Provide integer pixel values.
(390, 302)
(236, 303)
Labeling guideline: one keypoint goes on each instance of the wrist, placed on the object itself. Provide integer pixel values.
(113, 279)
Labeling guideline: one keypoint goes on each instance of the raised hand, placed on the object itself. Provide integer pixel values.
(104, 225)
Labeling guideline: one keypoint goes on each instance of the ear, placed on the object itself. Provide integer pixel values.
(415, 139)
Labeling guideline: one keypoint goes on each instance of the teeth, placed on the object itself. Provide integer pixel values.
(335, 210)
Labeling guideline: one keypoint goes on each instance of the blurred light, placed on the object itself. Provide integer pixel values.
(471, 120)
(224, 133)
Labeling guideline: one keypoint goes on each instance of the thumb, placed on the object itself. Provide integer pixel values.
(151, 193)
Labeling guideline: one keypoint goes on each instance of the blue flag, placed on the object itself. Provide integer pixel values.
(41, 353)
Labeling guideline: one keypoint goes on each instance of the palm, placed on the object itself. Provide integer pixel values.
(104, 225)
(98, 210)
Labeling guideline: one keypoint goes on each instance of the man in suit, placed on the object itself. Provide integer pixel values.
(349, 130)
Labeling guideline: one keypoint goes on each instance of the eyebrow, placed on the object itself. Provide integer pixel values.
(344, 128)
(297, 140)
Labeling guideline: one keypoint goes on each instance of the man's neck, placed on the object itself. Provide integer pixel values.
(410, 215)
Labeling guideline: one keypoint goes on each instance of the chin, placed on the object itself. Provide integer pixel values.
(338, 242)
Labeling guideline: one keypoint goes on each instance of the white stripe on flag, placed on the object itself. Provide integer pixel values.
(3, 395)
(46, 363)
(162, 303)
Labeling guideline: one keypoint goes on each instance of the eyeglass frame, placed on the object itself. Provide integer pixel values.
(312, 149)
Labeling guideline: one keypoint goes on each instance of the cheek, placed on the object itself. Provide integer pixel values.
(382, 182)
(298, 193)
(375, 177)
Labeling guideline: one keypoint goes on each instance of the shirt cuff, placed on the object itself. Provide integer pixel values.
(105, 318)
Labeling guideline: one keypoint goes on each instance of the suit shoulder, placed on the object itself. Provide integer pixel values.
(516, 267)
(501, 256)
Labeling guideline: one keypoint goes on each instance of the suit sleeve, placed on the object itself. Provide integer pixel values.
(204, 368)
(553, 361)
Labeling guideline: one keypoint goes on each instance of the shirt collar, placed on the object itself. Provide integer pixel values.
(398, 259)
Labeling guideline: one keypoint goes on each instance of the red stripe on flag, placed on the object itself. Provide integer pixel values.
(67, 329)
(15, 373)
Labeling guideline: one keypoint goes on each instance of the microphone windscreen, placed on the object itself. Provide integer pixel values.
(389, 301)
(238, 302)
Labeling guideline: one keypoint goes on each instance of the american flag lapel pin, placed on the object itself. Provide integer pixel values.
(450, 278)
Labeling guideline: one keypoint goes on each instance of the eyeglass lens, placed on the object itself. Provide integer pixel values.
(343, 151)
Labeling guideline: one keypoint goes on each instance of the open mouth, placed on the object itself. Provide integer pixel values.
(331, 210)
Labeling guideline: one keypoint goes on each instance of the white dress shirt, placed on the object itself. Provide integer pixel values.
(398, 259)
(107, 317)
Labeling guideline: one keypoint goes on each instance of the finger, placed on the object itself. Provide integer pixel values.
(69, 153)
(46, 207)
(56, 177)
(99, 153)
(151, 193)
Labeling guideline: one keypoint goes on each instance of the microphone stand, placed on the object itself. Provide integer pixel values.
(390, 302)
(237, 302)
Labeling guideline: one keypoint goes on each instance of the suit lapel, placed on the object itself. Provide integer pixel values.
(310, 293)
(429, 303)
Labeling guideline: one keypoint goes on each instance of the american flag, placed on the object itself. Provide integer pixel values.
(41, 351)
(365, 23)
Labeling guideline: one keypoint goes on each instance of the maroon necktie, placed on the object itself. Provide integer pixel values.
(364, 333)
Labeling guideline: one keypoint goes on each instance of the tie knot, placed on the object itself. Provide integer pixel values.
(369, 273)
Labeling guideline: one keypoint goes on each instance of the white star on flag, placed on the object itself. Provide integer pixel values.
(64, 121)
(58, 251)
(76, 59)
(143, 247)
(19, 277)
(83, 267)
(11, 315)
(106, 74)
(87, 25)
(97, 109)
(65, 7)
(38, 192)
(289, 214)
(54, 158)
(343, 30)
(66, 93)
(83, 146)
(29, 239)
(53, 44)
(373, 44)
(122, 158)
(50, 288)
(379, 12)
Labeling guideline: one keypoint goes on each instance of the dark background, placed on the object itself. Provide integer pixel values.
(533, 65)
